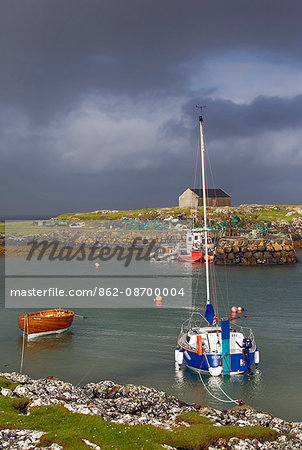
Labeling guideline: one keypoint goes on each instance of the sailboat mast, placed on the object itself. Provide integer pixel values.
(204, 194)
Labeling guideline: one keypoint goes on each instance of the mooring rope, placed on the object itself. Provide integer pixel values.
(214, 396)
(236, 401)
(23, 345)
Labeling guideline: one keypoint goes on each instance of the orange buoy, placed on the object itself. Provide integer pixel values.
(158, 300)
(199, 345)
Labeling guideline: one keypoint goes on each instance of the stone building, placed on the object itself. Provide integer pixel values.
(192, 198)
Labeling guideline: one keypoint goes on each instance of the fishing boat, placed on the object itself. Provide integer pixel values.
(41, 323)
(206, 343)
(196, 247)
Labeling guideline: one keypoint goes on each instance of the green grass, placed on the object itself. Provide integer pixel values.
(263, 212)
(258, 213)
(143, 214)
(11, 406)
(68, 429)
(7, 384)
(25, 228)
(193, 418)
(150, 213)
(273, 215)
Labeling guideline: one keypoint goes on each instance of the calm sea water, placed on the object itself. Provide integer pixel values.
(137, 345)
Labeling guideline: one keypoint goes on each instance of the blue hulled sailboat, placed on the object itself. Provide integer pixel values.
(206, 343)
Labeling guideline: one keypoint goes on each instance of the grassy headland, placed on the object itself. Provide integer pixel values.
(253, 213)
(69, 429)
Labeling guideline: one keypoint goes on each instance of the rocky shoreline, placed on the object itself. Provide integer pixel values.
(135, 405)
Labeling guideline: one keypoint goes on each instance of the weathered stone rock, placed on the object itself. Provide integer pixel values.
(252, 247)
(267, 255)
(15, 439)
(277, 247)
(258, 255)
(6, 392)
(286, 248)
(250, 251)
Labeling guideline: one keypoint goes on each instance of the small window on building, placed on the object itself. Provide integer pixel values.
(195, 238)
(190, 238)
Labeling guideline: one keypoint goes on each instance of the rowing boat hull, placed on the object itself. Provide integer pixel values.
(42, 323)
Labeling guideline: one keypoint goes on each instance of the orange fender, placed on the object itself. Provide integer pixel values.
(199, 345)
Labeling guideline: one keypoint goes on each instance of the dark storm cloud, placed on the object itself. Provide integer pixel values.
(115, 189)
(255, 149)
(266, 170)
(97, 101)
(53, 52)
(225, 118)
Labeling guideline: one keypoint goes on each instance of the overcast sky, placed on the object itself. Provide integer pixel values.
(97, 101)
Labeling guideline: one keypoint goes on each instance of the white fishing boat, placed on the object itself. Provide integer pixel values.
(196, 247)
(207, 343)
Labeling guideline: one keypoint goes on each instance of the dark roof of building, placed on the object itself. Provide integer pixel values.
(212, 193)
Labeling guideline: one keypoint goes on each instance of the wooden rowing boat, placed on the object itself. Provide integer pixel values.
(41, 323)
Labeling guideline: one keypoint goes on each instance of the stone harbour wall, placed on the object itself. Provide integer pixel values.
(248, 251)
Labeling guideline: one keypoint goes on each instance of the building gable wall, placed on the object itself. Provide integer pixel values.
(191, 200)
(188, 199)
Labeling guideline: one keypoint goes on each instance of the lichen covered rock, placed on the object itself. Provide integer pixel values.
(248, 251)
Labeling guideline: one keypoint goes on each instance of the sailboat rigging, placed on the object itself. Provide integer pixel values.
(200, 252)
(206, 343)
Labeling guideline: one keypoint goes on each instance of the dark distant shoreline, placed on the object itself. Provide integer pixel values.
(25, 217)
